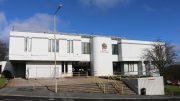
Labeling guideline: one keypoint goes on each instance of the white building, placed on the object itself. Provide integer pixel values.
(32, 55)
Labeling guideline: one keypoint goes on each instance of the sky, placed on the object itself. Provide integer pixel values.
(131, 19)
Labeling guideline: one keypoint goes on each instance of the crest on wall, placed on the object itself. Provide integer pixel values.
(104, 46)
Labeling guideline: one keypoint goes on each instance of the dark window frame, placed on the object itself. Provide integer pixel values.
(115, 50)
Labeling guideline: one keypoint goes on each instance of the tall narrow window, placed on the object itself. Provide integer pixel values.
(57, 45)
(68, 46)
(25, 44)
(29, 44)
(115, 49)
(131, 67)
(49, 45)
(53, 45)
(72, 46)
(85, 48)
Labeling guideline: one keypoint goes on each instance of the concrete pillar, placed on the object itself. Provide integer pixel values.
(101, 60)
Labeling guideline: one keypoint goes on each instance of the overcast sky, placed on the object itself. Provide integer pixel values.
(132, 19)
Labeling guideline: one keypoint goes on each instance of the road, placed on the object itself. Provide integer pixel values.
(18, 98)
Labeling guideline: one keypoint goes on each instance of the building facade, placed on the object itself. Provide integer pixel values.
(45, 55)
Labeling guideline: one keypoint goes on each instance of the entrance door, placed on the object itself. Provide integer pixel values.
(20, 69)
(81, 69)
(116, 68)
(64, 69)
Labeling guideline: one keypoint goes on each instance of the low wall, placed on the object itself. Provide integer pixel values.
(153, 85)
(132, 83)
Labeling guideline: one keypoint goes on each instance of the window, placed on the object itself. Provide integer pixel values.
(53, 45)
(25, 44)
(29, 44)
(131, 67)
(70, 46)
(85, 48)
(115, 49)
(57, 45)
(49, 45)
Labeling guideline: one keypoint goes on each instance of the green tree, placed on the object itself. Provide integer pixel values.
(3, 51)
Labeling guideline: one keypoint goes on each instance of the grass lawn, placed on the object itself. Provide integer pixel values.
(2, 82)
(172, 90)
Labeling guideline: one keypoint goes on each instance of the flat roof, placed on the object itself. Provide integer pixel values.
(74, 34)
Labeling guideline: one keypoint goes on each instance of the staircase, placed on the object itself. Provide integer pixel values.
(122, 89)
(97, 85)
(87, 88)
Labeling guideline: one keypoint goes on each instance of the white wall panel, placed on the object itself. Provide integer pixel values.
(16, 45)
(39, 46)
(133, 50)
(62, 47)
(77, 47)
(153, 85)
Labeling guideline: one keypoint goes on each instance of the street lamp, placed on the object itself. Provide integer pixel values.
(59, 7)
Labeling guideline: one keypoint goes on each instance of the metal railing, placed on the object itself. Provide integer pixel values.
(113, 79)
(100, 84)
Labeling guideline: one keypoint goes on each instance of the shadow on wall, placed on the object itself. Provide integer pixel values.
(7, 69)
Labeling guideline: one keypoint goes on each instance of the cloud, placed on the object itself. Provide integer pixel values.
(3, 20)
(103, 4)
(38, 22)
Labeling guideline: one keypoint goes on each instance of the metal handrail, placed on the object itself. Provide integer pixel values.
(100, 84)
(116, 86)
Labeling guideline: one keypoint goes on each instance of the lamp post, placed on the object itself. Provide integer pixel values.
(55, 72)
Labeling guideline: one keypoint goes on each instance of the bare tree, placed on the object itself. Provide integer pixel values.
(3, 51)
(161, 54)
